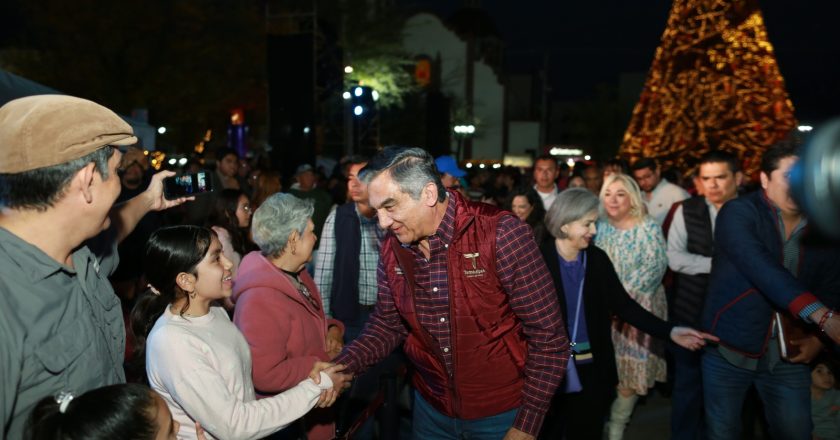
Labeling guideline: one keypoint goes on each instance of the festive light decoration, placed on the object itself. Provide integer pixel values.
(714, 83)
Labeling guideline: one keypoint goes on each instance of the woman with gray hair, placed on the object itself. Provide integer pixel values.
(278, 306)
(590, 293)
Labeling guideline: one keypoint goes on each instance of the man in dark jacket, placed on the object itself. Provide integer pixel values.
(766, 260)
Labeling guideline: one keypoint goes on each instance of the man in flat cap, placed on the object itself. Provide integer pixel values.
(62, 324)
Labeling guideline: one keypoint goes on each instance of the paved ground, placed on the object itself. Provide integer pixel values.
(651, 420)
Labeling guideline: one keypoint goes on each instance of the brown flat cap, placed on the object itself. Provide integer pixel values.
(45, 130)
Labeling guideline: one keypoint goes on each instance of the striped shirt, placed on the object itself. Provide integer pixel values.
(523, 275)
(368, 260)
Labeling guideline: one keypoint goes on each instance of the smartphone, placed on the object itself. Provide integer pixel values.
(187, 185)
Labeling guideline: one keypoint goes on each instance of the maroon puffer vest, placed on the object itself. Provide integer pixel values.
(488, 345)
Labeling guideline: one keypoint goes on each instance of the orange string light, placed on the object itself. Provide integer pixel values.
(714, 83)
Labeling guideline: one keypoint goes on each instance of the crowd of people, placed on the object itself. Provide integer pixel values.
(519, 304)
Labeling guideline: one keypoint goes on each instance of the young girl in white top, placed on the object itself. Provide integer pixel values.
(195, 357)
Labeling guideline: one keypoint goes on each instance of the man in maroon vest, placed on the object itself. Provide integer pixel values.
(463, 287)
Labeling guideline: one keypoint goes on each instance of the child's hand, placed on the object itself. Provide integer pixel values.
(315, 374)
(199, 432)
(327, 398)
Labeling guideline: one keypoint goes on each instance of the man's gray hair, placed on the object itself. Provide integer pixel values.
(41, 188)
(276, 219)
(570, 205)
(411, 168)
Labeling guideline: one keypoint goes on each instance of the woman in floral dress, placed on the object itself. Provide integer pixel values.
(634, 243)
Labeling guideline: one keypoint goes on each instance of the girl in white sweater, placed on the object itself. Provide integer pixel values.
(195, 357)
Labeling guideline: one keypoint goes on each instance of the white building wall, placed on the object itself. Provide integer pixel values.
(489, 111)
(425, 34)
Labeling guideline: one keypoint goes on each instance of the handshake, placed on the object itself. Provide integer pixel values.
(341, 381)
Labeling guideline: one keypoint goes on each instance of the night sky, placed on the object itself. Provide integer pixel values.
(592, 42)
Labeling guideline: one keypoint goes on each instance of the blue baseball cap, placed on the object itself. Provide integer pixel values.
(448, 165)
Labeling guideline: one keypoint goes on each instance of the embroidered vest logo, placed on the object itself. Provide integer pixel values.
(398, 270)
(475, 271)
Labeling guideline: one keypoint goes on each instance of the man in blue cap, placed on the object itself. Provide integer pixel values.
(449, 172)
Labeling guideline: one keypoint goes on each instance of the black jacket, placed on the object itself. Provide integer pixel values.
(603, 297)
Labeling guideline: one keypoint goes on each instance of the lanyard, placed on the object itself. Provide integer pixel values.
(579, 301)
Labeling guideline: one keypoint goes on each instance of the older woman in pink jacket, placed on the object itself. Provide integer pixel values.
(278, 307)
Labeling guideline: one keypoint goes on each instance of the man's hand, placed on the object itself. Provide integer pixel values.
(691, 339)
(831, 327)
(154, 193)
(515, 434)
(125, 216)
(341, 381)
(809, 348)
(335, 341)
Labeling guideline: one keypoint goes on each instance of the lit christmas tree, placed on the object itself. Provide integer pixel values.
(714, 83)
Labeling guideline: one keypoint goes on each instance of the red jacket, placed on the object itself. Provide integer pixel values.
(488, 344)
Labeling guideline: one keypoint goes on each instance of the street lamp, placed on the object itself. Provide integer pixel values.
(462, 131)
(361, 120)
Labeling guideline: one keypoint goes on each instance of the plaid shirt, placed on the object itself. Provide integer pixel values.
(368, 260)
(523, 275)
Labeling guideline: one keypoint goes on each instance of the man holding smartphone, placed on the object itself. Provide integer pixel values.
(63, 327)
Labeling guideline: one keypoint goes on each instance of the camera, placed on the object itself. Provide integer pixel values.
(815, 179)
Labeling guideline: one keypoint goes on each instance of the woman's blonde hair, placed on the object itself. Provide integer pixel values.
(637, 206)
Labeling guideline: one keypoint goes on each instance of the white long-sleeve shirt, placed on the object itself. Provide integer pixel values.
(547, 198)
(659, 201)
(679, 258)
(201, 366)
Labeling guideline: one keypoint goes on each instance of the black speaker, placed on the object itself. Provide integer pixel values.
(291, 100)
